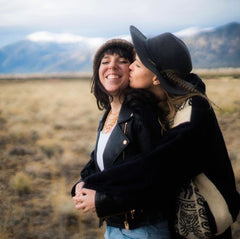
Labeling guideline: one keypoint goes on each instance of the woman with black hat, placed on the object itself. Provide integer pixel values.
(129, 127)
(192, 145)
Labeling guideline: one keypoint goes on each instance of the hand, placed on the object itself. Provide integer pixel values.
(85, 200)
(78, 188)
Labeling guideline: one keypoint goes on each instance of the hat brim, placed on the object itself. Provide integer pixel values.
(140, 44)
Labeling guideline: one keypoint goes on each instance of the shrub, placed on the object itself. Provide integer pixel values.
(21, 183)
(62, 203)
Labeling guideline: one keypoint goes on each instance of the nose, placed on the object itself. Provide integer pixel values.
(112, 65)
(131, 67)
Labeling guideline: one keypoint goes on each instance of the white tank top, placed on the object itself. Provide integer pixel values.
(102, 141)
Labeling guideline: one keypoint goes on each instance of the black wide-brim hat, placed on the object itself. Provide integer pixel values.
(163, 52)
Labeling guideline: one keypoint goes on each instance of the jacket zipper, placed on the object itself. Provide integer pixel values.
(126, 224)
(124, 131)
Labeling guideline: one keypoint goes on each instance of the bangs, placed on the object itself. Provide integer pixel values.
(121, 52)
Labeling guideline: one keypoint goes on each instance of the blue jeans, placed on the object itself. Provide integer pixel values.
(155, 231)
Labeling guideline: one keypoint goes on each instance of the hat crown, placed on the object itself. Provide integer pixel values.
(169, 52)
(163, 52)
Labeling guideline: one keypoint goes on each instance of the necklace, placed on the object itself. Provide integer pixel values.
(110, 122)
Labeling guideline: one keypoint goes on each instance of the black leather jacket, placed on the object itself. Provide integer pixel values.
(195, 145)
(137, 131)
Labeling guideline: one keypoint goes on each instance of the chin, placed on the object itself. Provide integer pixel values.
(132, 85)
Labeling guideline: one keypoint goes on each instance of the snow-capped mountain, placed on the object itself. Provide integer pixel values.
(189, 32)
(45, 52)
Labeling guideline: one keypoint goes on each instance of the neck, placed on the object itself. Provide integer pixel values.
(112, 116)
(116, 105)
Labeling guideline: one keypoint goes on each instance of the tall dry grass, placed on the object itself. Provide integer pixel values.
(47, 131)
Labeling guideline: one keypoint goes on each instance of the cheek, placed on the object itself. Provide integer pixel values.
(101, 78)
(125, 77)
(101, 71)
(126, 69)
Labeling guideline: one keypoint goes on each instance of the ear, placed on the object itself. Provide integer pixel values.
(155, 80)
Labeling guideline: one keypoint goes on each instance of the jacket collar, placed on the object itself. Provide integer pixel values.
(125, 114)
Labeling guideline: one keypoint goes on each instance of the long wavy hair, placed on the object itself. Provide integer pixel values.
(172, 103)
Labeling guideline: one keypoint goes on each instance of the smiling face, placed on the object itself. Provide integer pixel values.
(114, 73)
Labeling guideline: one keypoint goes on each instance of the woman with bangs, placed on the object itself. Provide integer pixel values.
(129, 127)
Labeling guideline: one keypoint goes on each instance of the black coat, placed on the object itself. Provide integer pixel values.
(193, 147)
(137, 132)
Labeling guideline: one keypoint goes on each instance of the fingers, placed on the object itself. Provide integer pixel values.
(82, 204)
(84, 191)
(78, 188)
(79, 204)
(89, 192)
(88, 209)
(76, 200)
(84, 199)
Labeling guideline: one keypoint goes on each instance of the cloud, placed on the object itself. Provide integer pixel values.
(64, 38)
(54, 37)
(107, 17)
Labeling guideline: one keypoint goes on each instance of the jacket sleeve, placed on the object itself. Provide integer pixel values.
(135, 183)
(89, 169)
(185, 151)
(179, 156)
(108, 205)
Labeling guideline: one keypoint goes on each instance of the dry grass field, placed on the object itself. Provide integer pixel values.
(47, 131)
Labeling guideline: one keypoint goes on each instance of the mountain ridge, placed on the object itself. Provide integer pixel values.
(211, 48)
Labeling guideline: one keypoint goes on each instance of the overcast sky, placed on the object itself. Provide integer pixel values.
(109, 18)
